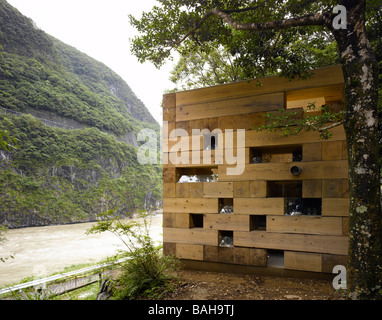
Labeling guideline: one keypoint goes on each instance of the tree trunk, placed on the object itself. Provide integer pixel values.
(360, 69)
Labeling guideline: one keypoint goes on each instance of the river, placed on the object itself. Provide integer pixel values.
(41, 251)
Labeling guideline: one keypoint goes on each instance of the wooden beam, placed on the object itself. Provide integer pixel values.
(230, 107)
(329, 261)
(257, 189)
(190, 205)
(311, 151)
(262, 139)
(189, 251)
(169, 219)
(229, 222)
(191, 236)
(218, 189)
(311, 189)
(168, 190)
(259, 206)
(292, 242)
(303, 261)
(321, 77)
(305, 225)
(315, 92)
(335, 207)
(281, 171)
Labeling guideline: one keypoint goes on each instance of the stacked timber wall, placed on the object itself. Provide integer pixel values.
(266, 212)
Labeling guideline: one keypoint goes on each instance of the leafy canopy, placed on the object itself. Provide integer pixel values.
(168, 26)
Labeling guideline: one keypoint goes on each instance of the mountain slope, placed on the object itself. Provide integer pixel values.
(64, 176)
(41, 72)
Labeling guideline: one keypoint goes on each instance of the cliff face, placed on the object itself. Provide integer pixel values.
(80, 159)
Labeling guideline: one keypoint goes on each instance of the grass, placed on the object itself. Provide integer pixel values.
(89, 292)
(85, 293)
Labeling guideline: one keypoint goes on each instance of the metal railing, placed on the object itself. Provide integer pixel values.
(44, 282)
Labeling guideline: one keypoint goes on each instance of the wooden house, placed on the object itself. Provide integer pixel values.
(289, 205)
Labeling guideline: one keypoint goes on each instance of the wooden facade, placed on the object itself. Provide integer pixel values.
(266, 211)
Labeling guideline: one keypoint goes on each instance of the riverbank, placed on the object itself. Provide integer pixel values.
(40, 251)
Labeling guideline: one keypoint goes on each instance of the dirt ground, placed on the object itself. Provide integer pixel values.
(201, 285)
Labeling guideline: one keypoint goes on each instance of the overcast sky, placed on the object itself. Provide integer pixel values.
(101, 29)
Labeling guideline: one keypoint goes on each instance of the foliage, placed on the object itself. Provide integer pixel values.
(201, 69)
(40, 72)
(255, 53)
(7, 142)
(292, 123)
(60, 176)
(64, 176)
(289, 52)
(147, 272)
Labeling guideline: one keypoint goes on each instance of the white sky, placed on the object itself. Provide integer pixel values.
(101, 29)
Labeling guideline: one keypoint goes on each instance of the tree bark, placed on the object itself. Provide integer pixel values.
(360, 69)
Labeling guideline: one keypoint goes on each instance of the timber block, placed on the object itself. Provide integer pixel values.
(262, 206)
(303, 261)
(189, 251)
(218, 189)
(169, 248)
(311, 189)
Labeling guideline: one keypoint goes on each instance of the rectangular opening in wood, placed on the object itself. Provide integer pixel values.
(196, 220)
(275, 154)
(225, 238)
(303, 206)
(282, 189)
(210, 141)
(226, 205)
(275, 258)
(258, 222)
(203, 174)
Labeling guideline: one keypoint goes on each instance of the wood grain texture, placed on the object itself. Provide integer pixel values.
(231, 107)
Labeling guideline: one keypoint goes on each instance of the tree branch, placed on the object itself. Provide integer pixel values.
(318, 19)
(307, 20)
(336, 124)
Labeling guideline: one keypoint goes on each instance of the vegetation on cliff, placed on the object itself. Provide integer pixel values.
(63, 176)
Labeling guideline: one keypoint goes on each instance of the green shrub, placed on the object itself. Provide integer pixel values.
(147, 273)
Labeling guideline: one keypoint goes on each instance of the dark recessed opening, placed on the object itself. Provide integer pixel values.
(225, 238)
(282, 189)
(275, 258)
(275, 154)
(255, 155)
(196, 220)
(210, 141)
(258, 222)
(213, 142)
(204, 174)
(225, 205)
(303, 206)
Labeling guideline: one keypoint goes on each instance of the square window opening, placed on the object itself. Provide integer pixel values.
(226, 205)
(275, 258)
(276, 154)
(196, 220)
(258, 222)
(303, 207)
(189, 175)
(283, 189)
(225, 238)
(210, 141)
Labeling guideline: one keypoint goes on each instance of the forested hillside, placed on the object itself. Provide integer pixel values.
(57, 175)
